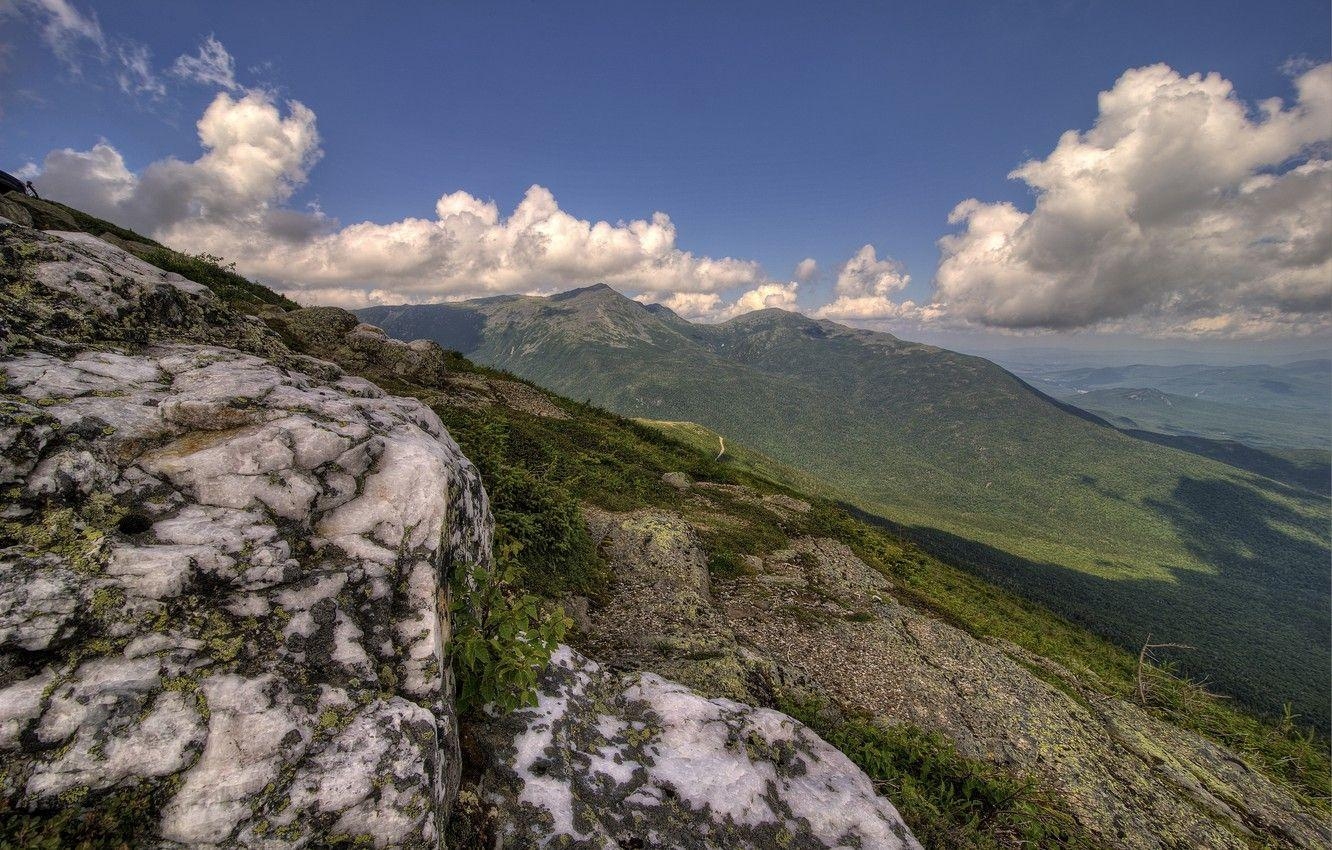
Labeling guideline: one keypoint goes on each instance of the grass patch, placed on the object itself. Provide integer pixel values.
(220, 276)
(947, 799)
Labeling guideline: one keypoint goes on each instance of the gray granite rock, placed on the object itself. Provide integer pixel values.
(814, 619)
(229, 575)
(222, 569)
(607, 760)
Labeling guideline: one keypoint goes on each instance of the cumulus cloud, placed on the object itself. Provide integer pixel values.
(695, 306)
(253, 160)
(231, 201)
(807, 270)
(211, 66)
(710, 307)
(770, 295)
(1181, 211)
(865, 287)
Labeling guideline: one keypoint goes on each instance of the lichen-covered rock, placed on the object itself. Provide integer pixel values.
(678, 480)
(335, 334)
(1131, 780)
(12, 209)
(814, 620)
(228, 574)
(659, 614)
(222, 575)
(62, 291)
(34, 212)
(474, 391)
(606, 760)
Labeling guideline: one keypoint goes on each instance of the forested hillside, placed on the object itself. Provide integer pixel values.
(1127, 537)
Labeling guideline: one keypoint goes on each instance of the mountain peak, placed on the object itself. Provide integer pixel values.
(595, 290)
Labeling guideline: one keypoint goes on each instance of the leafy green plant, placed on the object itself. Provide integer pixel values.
(501, 636)
(555, 552)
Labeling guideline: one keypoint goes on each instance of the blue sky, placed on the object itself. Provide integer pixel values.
(767, 131)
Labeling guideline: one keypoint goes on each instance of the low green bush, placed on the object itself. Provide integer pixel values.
(218, 275)
(502, 637)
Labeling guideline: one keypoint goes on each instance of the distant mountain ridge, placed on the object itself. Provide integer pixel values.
(1299, 385)
(1115, 532)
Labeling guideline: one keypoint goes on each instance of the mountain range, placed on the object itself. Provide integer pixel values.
(1128, 537)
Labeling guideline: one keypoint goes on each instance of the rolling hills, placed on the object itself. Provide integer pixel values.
(1119, 534)
(1265, 406)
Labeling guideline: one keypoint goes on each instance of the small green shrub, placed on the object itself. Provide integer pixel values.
(532, 504)
(218, 275)
(116, 819)
(724, 564)
(501, 636)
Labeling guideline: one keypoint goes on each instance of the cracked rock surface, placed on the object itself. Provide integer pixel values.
(221, 572)
(227, 574)
(607, 760)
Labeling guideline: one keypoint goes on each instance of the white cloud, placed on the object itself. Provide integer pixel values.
(865, 287)
(695, 306)
(254, 158)
(136, 76)
(95, 180)
(230, 201)
(779, 295)
(710, 307)
(1297, 65)
(806, 270)
(213, 66)
(1180, 212)
(74, 36)
(67, 31)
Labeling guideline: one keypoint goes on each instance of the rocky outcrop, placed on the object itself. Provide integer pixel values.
(815, 620)
(223, 582)
(31, 212)
(70, 290)
(661, 616)
(608, 760)
(481, 391)
(223, 612)
(334, 334)
(222, 577)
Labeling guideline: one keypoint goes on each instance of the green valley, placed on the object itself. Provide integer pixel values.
(1126, 537)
